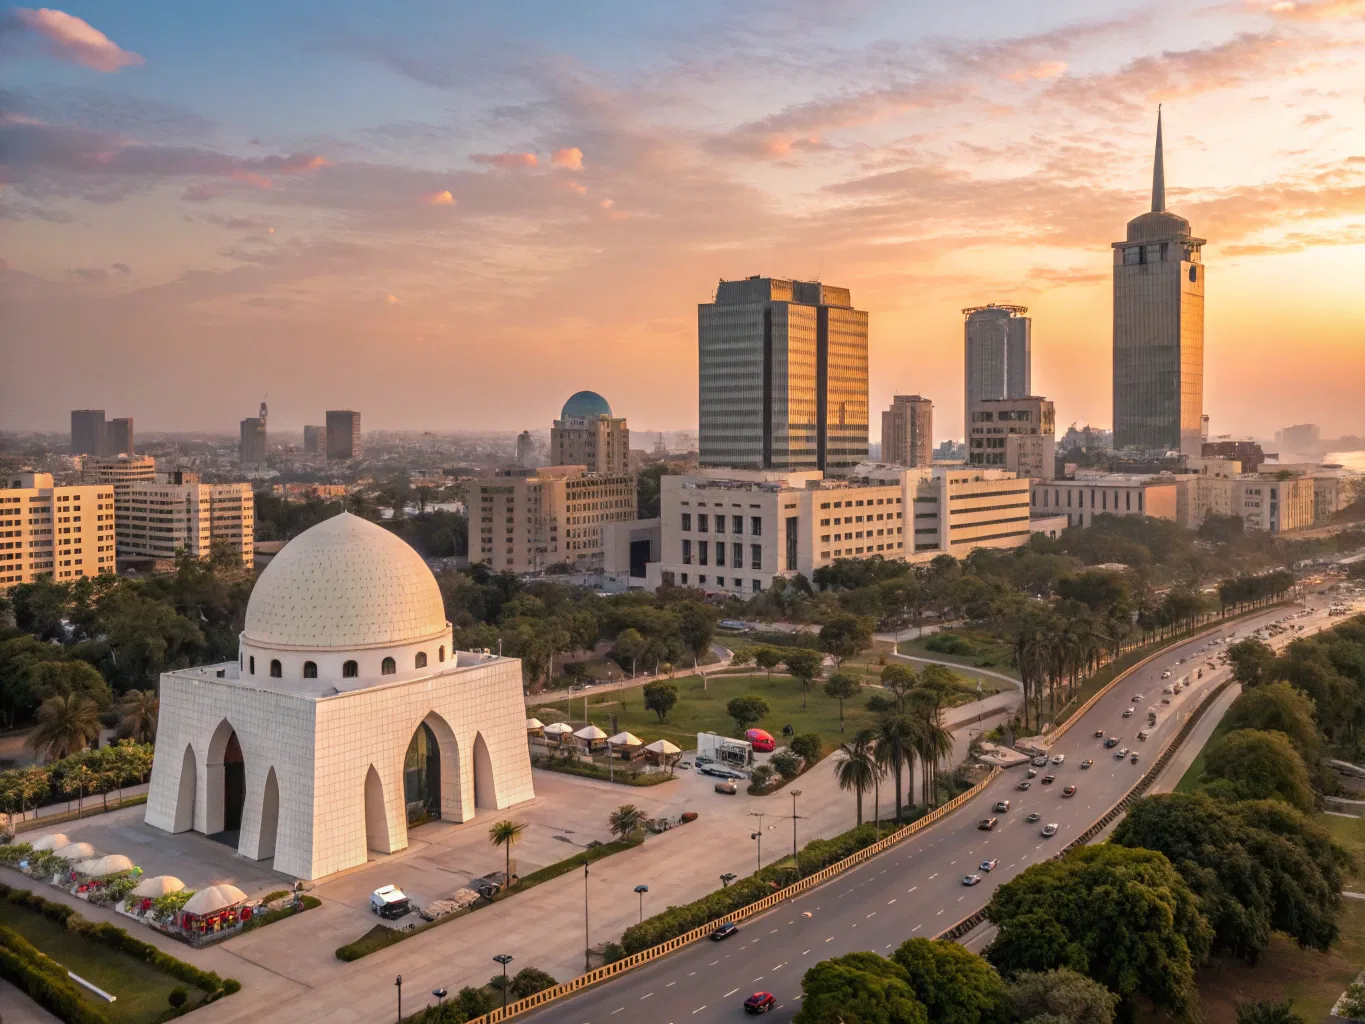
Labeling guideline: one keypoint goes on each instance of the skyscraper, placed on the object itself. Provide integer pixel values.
(586, 434)
(252, 447)
(314, 440)
(118, 436)
(526, 450)
(908, 431)
(1158, 328)
(87, 432)
(783, 377)
(343, 434)
(997, 352)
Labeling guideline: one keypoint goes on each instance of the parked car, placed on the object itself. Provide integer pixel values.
(1040, 762)
(988, 865)
(1049, 830)
(389, 901)
(1099, 734)
(760, 1002)
(1112, 741)
(724, 931)
(1058, 758)
(986, 824)
(727, 787)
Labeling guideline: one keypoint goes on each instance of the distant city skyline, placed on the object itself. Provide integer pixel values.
(395, 195)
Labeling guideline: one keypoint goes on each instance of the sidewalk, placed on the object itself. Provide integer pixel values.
(723, 654)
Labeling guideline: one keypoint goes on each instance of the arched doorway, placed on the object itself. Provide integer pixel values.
(484, 793)
(422, 777)
(189, 788)
(270, 816)
(234, 784)
(376, 814)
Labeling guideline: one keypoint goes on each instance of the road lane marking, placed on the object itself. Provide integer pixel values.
(873, 914)
(804, 952)
(617, 1010)
(890, 901)
(730, 993)
(830, 939)
(670, 984)
(933, 876)
(698, 1010)
(917, 928)
(646, 996)
(936, 915)
(912, 888)
(713, 963)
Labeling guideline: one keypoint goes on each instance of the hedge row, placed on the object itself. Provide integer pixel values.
(815, 855)
(44, 980)
(119, 940)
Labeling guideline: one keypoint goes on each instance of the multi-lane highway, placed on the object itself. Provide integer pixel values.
(915, 889)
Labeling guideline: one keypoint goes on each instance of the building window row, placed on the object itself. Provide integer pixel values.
(349, 669)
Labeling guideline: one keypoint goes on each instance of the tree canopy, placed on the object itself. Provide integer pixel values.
(955, 985)
(858, 988)
(1254, 764)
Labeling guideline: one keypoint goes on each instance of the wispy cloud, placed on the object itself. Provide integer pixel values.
(506, 161)
(571, 158)
(70, 38)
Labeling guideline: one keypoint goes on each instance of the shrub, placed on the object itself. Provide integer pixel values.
(948, 642)
(612, 951)
(178, 997)
(787, 764)
(808, 746)
(44, 980)
(530, 980)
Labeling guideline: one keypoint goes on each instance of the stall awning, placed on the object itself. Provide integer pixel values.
(213, 899)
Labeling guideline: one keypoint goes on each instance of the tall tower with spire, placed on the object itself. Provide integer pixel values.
(1158, 328)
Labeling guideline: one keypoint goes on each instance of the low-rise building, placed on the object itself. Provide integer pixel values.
(734, 531)
(1014, 434)
(60, 532)
(1114, 494)
(525, 520)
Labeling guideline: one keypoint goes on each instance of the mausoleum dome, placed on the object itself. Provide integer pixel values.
(344, 585)
(585, 405)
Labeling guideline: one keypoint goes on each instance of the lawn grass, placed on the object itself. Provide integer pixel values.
(141, 989)
(1189, 782)
(993, 653)
(1350, 833)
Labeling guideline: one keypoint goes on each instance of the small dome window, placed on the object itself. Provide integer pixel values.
(441, 654)
(275, 670)
(388, 666)
(421, 660)
(310, 670)
(350, 670)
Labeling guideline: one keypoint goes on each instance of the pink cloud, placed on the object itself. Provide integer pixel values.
(442, 198)
(252, 178)
(506, 161)
(574, 186)
(1322, 10)
(570, 158)
(70, 38)
(1042, 70)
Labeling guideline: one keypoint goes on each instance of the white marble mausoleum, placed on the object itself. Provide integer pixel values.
(347, 717)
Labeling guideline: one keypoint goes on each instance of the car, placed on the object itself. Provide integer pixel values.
(1033, 816)
(1127, 712)
(1121, 753)
(1059, 759)
(1087, 762)
(1040, 761)
(1112, 741)
(727, 787)
(1049, 830)
(1166, 674)
(970, 879)
(1049, 780)
(1032, 772)
(986, 824)
(724, 931)
(1137, 698)
(1023, 784)
(1002, 806)
(760, 1002)
(1167, 689)
(1143, 735)
(390, 901)
(1134, 758)
(1099, 734)
(1165, 700)
(988, 865)
(1069, 791)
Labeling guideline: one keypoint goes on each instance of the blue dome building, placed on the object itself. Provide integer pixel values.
(585, 405)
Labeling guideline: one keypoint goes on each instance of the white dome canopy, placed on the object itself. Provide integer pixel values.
(345, 584)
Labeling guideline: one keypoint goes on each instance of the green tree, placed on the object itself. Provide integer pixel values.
(856, 768)
(809, 746)
(629, 648)
(78, 779)
(1124, 917)
(747, 711)
(1263, 1011)
(858, 987)
(899, 680)
(894, 736)
(1278, 707)
(1062, 993)
(842, 686)
(1252, 764)
(786, 763)
(804, 666)
(767, 658)
(846, 636)
(625, 821)
(1251, 661)
(530, 980)
(660, 697)
(506, 834)
(470, 1002)
(138, 711)
(955, 985)
(697, 627)
(647, 490)
(68, 679)
(65, 725)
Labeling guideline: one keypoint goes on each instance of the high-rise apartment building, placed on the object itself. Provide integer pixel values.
(997, 355)
(526, 450)
(343, 434)
(1017, 434)
(87, 432)
(527, 520)
(783, 377)
(314, 440)
(118, 436)
(121, 473)
(1158, 328)
(61, 532)
(908, 431)
(586, 434)
(252, 448)
(179, 513)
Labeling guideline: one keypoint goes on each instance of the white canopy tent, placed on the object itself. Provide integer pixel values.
(663, 747)
(103, 867)
(625, 739)
(157, 885)
(213, 899)
(76, 851)
(591, 733)
(54, 841)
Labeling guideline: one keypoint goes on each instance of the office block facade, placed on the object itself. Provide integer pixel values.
(87, 432)
(179, 513)
(343, 435)
(1017, 434)
(586, 434)
(908, 432)
(118, 436)
(60, 532)
(1084, 498)
(1159, 329)
(314, 440)
(997, 355)
(783, 377)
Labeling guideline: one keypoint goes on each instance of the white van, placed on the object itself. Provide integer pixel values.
(390, 901)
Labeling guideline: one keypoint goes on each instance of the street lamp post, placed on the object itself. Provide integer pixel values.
(758, 836)
(587, 946)
(398, 982)
(795, 860)
(640, 891)
(440, 995)
(503, 959)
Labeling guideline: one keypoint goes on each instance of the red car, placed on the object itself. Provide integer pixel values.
(762, 740)
(760, 1002)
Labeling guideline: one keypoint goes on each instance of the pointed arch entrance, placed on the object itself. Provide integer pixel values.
(270, 816)
(189, 789)
(485, 795)
(376, 815)
(225, 784)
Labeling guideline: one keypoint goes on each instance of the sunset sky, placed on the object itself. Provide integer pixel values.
(453, 215)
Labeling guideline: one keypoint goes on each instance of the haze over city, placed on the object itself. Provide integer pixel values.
(454, 217)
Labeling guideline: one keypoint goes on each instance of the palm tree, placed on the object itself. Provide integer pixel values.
(895, 738)
(66, 724)
(854, 769)
(625, 820)
(138, 714)
(506, 834)
(936, 743)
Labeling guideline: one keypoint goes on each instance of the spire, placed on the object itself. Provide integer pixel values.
(1158, 171)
